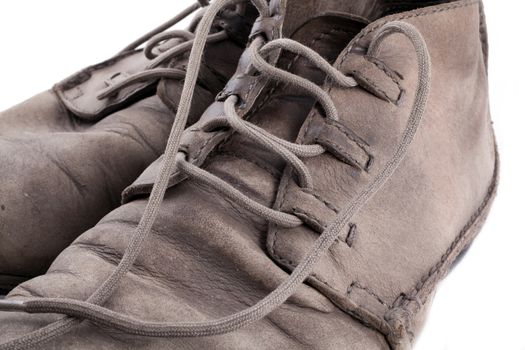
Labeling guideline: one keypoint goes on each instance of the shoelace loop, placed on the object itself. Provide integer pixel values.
(181, 41)
(92, 309)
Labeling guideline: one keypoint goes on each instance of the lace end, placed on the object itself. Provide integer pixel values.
(12, 305)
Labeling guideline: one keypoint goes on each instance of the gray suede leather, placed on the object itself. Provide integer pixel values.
(66, 156)
(207, 257)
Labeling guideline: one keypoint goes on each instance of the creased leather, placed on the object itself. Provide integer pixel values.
(79, 91)
(409, 226)
(62, 171)
(207, 258)
(210, 264)
(198, 143)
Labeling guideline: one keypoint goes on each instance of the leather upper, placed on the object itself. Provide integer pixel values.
(379, 267)
(207, 257)
(66, 155)
(79, 92)
(408, 228)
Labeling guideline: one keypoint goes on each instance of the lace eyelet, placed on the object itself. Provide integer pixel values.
(225, 94)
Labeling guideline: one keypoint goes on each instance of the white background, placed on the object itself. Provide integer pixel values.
(481, 304)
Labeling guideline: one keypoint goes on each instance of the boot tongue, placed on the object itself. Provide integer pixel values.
(219, 61)
(282, 110)
(328, 35)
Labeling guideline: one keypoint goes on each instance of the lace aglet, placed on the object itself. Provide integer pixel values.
(12, 305)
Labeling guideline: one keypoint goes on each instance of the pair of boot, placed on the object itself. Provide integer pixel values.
(327, 163)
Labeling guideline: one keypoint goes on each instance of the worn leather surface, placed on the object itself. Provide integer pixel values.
(408, 227)
(64, 160)
(207, 258)
(79, 91)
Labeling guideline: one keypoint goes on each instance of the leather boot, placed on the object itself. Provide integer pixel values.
(315, 205)
(67, 154)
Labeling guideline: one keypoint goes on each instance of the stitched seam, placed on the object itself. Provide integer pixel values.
(351, 312)
(269, 94)
(292, 62)
(81, 76)
(404, 300)
(309, 216)
(266, 98)
(348, 134)
(318, 278)
(395, 76)
(250, 89)
(324, 201)
(289, 66)
(331, 85)
(280, 203)
(376, 87)
(347, 155)
(380, 66)
(274, 88)
(367, 290)
(483, 34)
(362, 145)
(417, 13)
(464, 231)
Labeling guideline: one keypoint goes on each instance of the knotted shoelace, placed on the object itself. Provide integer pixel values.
(180, 42)
(93, 310)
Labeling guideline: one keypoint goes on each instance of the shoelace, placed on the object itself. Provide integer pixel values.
(182, 42)
(92, 309)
